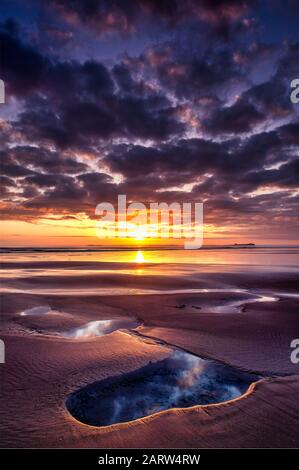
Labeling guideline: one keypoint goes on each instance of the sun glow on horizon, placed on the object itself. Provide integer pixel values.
(140, 233)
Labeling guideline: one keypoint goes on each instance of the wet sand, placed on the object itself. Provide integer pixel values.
(44, 366)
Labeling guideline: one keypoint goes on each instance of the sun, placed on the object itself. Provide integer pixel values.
(140, 233)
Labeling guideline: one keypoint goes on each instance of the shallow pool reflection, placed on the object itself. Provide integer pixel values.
(181, 380)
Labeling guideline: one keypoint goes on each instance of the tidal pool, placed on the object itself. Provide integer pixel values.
(41, 310)
(100, 328)
(181, 380)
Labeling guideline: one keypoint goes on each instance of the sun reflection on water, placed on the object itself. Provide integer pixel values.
(139, 258)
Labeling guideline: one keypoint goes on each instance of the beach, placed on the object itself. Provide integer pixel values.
(71, 320)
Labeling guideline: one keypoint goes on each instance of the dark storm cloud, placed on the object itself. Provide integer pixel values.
(73, 80)
(261, 103)
(236, 165)
(290, 133)
(99, 187)
(26, 71)
(127, 85)
(241, 117)
(126, 16)
(46, 160)
(11, 168)
(41, 180)
(194, 75)
(192, 157)
(150, 117)
(6, 185)
(22, 66)
(65, 194)
(288, 64)
(287, 176)
(78, 123)
(70, 102)
(271, 97)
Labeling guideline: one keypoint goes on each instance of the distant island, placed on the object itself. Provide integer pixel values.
(244, 244)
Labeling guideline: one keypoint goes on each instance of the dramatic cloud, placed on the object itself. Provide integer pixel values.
(126, 16)
(159, 100)
(22, 67)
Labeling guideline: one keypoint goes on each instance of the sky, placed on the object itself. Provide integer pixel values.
(163, 101)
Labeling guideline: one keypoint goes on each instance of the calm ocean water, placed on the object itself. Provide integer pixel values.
(258, 255)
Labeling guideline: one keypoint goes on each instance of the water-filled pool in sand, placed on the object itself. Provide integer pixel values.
(100, 328)
(181, 380)
(36, 311)
(44, 317)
